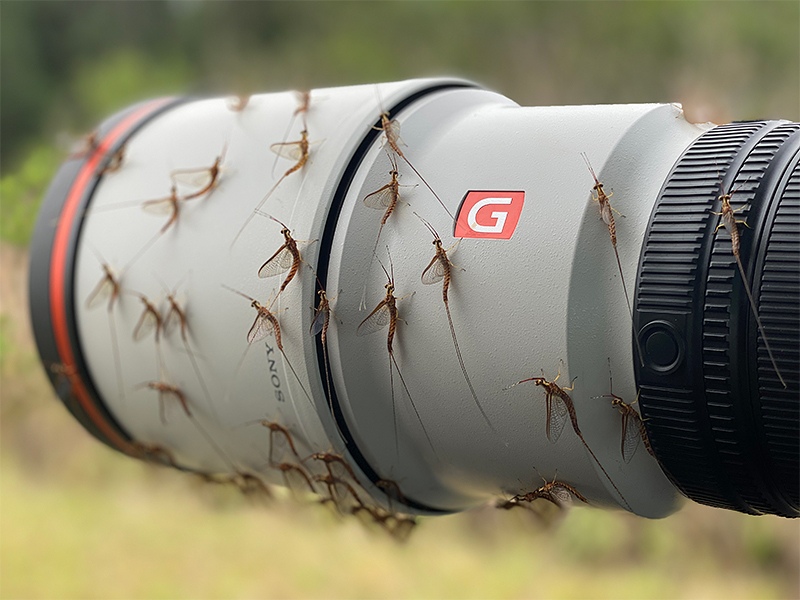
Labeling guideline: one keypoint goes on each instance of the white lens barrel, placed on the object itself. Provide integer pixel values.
(550, 292)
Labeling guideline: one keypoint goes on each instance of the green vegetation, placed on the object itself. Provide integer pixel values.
(79, 521)
(21, 193)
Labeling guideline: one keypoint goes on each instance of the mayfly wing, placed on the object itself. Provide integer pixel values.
(557, 416)
(278, 263)
(296, 479)
(377, 320)
(104, 290)
(148, 321)
(391, 131)
(161, 206)
(194, 178)
(382, 198)
(288, 150)
(281, 445)
(344, 495)
(561, 495)
(434, 272)
(261, 328)
(339, 468)
(320, 317)
(631, 435)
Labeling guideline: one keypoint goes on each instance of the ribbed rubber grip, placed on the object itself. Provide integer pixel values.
(722, 425)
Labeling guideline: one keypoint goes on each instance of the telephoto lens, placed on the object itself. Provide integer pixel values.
(413, 298)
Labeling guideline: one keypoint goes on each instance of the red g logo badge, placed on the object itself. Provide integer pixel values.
(489, 215)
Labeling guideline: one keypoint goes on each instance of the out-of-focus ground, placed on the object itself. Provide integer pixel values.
(79, 521)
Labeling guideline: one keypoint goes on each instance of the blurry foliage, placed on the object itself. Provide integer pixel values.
(21, 193)
(103, 85)
(67, 65)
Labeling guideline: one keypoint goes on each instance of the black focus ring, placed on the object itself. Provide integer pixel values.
(722, 425)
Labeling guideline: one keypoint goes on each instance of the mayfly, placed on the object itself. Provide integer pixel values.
(556, 492)
(440, 268)
(265, 324)
(281, 442)
(277, 431)
(202, 180)
(166, 392)
(633, 429)
(169, 206)
(396, 525)
(149, 321)
(302, 108)
(286, 258)
(391, 134)
(278, 448)
(109, 288)
(607, 215)
(174, 313)
(154, 454)
(238, 102)
(296, 479)
(729, 221)
(342, 493)
(392, 491)
(385, 313)
(336, 465)
(319, 326)
(114, 162)
(86, 146)
(386, 199)
(560, 408)
(297, 151)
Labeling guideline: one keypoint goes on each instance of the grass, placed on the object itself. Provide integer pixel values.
(80, 521)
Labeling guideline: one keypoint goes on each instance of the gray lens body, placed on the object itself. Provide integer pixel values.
(549, 293)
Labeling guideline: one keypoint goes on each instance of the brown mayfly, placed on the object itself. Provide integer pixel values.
(265, 324)
(385, 314)
(319, 326)
(729, 221)
(200, 180)
(385, 198)
(177, 313)
(297, 151)
(281, 442)
(301, 110)
(441, 268)
(607, 215)
(168, 206)
(391, 133)
(555, 492)
(167, 391)
(560, 408)
(109, 288)
(633, 430)
(286, 258)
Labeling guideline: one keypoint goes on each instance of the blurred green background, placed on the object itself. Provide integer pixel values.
(78, 521)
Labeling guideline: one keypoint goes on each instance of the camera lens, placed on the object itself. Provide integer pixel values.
(434, 283)
(721, 420)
